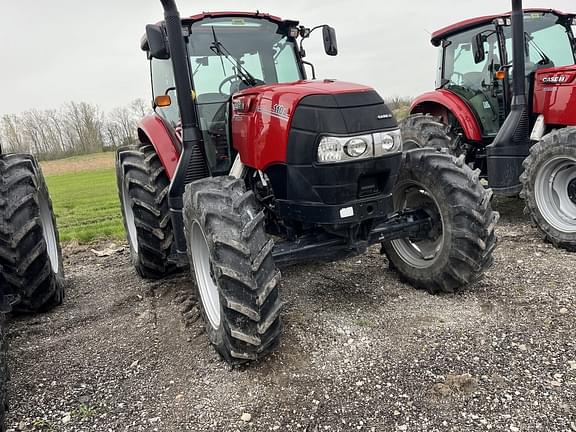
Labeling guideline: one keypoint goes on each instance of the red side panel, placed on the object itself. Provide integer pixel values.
(155, 130)
(555, 95)
(440, 102)
(262, 116)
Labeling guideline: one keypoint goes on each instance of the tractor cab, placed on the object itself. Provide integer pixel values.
(476, 60)
(227, 53)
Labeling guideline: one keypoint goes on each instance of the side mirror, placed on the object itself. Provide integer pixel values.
(478, 48)
(157, 43)
(162, 101)
(330, 44)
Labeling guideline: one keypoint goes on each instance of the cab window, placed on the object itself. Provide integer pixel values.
(163, 83)
(474, 82)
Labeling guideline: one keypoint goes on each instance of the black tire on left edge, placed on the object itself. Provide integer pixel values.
(461, 244)
(235, 272)
(3, 372)
(30, 255)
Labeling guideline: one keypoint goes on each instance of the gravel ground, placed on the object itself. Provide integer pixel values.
(361, 351)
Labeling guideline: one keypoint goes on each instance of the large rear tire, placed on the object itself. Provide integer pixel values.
(236, 277)
(549, 187)
(424, 130)
(30, 255)
(459, 248)
(143, 192)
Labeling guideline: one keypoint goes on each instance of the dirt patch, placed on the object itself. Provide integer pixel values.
(92, 162)
(361, 351)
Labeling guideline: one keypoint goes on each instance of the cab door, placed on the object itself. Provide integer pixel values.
(474, 79)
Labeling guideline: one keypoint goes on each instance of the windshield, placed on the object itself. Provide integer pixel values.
(229, 54)
(221, 49)
(548, 41)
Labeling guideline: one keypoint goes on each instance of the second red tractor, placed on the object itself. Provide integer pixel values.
(505, 100)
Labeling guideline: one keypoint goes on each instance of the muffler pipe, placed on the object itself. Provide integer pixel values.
(512, 144)
(192, 164)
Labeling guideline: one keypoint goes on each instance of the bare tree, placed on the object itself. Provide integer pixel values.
(76, 128)
(140, 108)
(12, 136)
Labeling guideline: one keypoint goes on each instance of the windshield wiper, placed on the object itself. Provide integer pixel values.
(539, 50)
(221, 51)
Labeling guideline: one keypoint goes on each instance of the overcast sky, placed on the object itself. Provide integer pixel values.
(56, 51)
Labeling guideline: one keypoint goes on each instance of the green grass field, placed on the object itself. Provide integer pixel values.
(86, 205)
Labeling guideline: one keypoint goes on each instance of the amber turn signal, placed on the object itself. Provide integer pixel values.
(500, 75)
(162, 101)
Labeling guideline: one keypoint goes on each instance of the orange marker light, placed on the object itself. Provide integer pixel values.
(500, 75)
(162, 101)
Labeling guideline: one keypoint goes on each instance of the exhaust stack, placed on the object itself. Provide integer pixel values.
(512, 144)
(192, 165)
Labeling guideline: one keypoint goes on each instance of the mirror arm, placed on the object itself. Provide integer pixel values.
(311, 67)
(302, 51)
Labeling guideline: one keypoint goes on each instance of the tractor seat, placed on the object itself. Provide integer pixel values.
(473, 80)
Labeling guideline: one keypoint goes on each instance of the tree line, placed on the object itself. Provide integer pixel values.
(75, 128)
(82, 128)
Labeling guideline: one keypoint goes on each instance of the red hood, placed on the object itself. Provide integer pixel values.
(263, 115)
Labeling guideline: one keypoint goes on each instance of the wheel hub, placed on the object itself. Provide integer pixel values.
(421, 253)
(555, 192)
(572, 190)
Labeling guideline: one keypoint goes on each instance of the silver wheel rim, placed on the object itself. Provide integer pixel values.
(204, 275)
(419, 253)
(49, 234)
(129, 218)
(551, 190)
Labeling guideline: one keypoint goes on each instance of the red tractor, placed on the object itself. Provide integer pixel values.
(246, 166)
(505, 100)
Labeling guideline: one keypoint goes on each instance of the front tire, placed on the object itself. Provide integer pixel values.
(459, 248)
(236, 277)
(30, 254)
(549, 187)
(143, 192)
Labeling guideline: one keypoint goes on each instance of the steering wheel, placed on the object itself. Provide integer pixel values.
(229, 79)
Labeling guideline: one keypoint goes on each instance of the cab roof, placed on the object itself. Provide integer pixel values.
(204, 15)
(468, 24)
(257, 14)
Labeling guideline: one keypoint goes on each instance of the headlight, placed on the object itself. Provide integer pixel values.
(344, 149)
(356, 147)
(387, 142)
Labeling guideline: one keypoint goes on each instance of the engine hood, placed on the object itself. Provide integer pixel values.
(263, 116)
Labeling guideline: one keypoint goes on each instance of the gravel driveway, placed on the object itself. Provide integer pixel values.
(361, 351)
